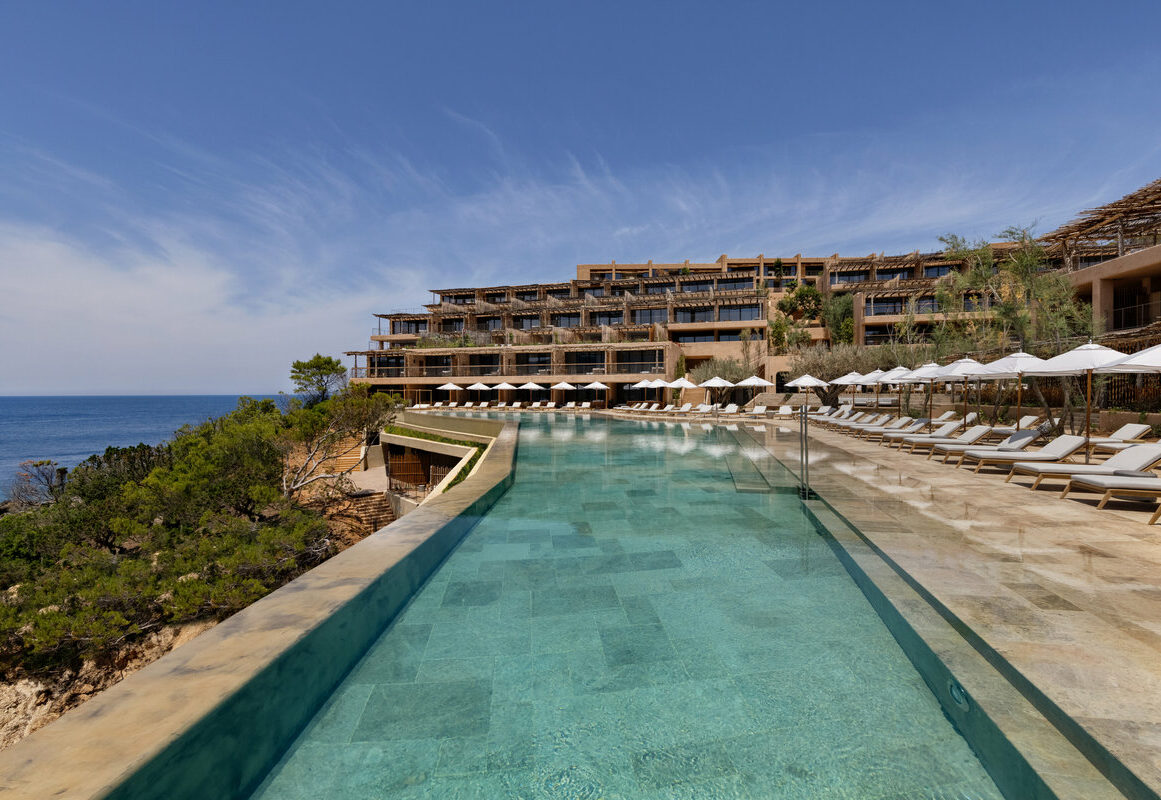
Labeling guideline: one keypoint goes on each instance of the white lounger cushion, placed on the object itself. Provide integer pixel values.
(1139, 457)
(1016, 442)
(1114, 482)
(1058, 448)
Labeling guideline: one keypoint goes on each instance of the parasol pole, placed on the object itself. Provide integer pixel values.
(1019, 397)
(1088, 418)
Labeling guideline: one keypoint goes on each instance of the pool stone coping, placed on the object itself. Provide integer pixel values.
(212, 717)
(1025, 754)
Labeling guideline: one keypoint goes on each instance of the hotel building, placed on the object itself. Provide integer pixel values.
(618, 323)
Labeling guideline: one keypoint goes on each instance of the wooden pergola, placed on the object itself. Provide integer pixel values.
(1132, 222)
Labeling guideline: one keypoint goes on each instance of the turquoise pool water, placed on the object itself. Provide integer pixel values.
(647, 613)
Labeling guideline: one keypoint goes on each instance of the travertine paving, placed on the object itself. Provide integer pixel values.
(1068, 595)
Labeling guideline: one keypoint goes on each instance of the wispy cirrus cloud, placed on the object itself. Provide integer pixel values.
(227, 268)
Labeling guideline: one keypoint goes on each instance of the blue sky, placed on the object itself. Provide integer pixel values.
(193, 195)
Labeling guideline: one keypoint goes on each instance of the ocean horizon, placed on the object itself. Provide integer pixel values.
(68, 429)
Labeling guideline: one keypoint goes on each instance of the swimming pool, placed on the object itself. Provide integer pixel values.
(648, 612)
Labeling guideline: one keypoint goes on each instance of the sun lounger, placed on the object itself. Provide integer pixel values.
(859, 419)
(1138, 458)
(1122, 437)
(438, 405)
(785, 411)
(1143, 487)
(891, 425)
(876, 433)
(550, 404)
(685, 409)
(830, 422)
(967, 438)
(1026, 423)
(586, 404)
(730, 410)
(944, 431)
(757, 411)
(668, 408)
(569, 405)
(1016, 442)
(536, 405)
(517, 404)
(1059, 449)
(824, 410)
(453, 405)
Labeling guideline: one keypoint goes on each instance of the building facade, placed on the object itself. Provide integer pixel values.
(619, 323)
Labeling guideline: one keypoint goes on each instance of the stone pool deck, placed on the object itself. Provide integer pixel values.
(1062, 598)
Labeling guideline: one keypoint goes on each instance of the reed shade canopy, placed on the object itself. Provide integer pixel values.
(925, 374)
(1080, 361)
(961, 370)
(1011, 366)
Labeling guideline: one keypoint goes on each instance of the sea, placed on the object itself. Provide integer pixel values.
(70, 429)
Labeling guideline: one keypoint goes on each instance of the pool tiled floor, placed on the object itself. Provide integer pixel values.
(624, 623)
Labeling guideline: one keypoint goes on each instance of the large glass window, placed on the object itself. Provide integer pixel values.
(697, 286)
(409, 326)
(849, 277)
(640, 361)
(734, 284)
(658, 288)
(559, 294)
(738, 313)
(528, 295)
(649, 316)
(694, 315)
(489, 323)
(596, 291)
(608, 318)
(689, 338)
(452, 325)
(885, 305)
(459, 299)
(937, 271)
(526, 323)
(729, 336)
(891, 274)
(496, 297)
(585, 363)
(566, 320)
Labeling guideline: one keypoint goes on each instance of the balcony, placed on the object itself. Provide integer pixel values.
(429, 372)
(585, 369)
(1136, 316)
(480, 369)
(533, 369)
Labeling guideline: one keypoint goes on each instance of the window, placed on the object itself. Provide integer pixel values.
(649, 316)
(452, 325)
(489, 323)
(409, 326)
(937, 271)
(533, 358)
(813, 269)
(525, 323)
(596, 291)
(459, 299)
(566, 320)
(926, 305)
(885, 305)
(599, 276)
(729, 337)
(732, 313)
(849, 277)
(740, 269)
(496, 297)
(891, 274)
(621, 291)
(559, 294)
(734, 284)
(639, 361)
(689, 338)
(528, 296)
(608, 318)
(694, 315)
(585, 363)
(973, 302)
(697, 286)
(658, 288)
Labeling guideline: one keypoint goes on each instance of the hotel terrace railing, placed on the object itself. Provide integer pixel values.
(1137, 316)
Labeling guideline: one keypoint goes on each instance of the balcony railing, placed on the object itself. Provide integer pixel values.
(533, 369)
(428, 372)
(480, 369)
(585, 369)
(1136, 316)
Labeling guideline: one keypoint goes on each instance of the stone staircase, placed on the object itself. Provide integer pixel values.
(349, 460)
(373, 509)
